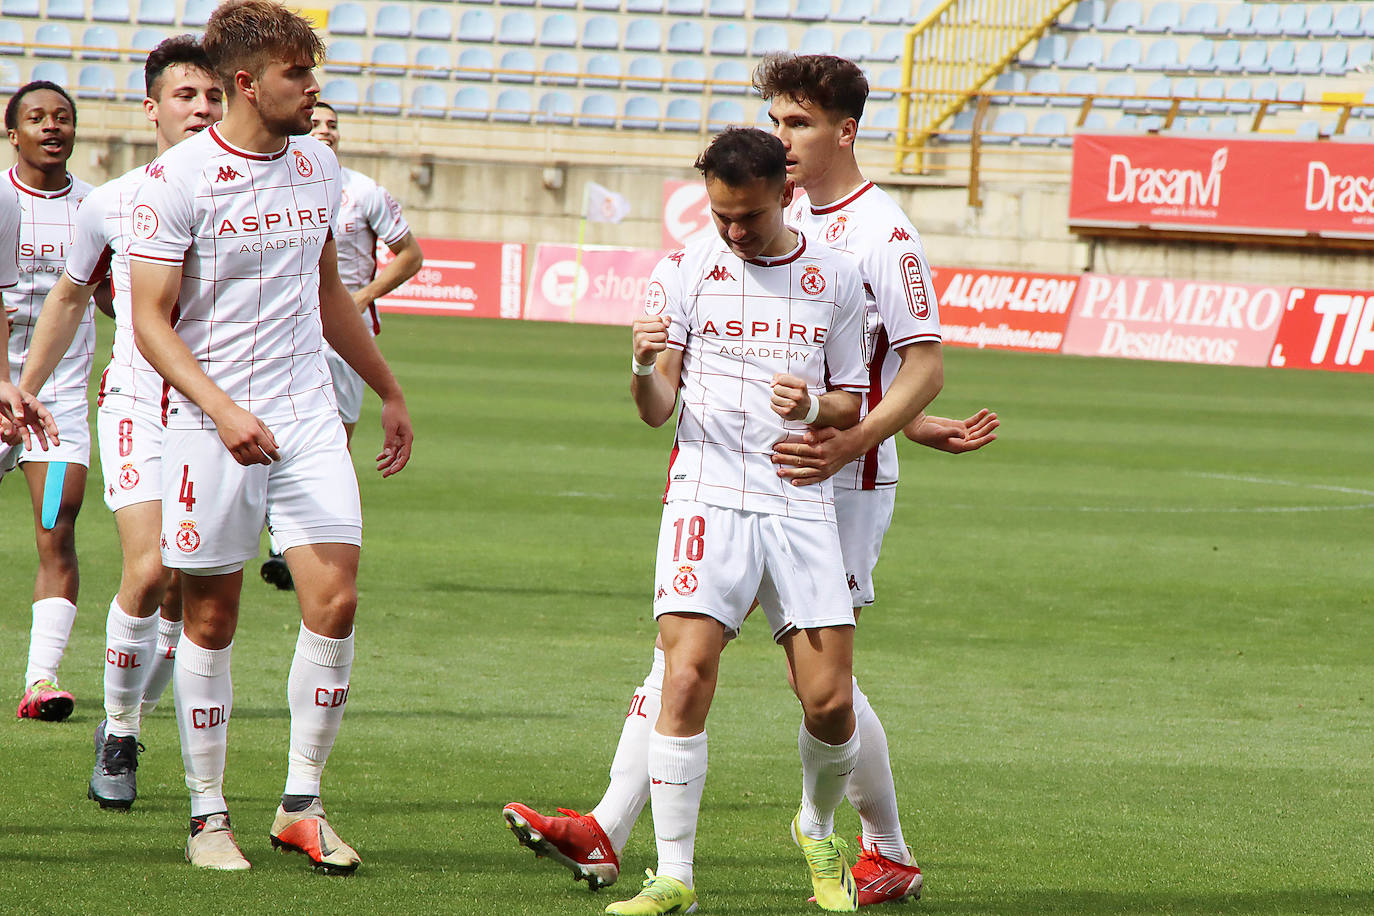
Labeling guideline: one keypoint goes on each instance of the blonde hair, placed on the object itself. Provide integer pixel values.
(249, 34)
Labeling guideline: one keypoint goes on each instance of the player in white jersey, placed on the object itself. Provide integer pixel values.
(235, 288)
(41, 119)
(183, 98)
(23, 420)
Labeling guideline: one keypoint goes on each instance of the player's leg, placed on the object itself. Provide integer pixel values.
(56, 490)
(168, 635)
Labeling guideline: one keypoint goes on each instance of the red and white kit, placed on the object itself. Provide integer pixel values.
(366, 213)
(9, 235)
(45, 235)
(247, 230)
(901, 310)
(739, 323)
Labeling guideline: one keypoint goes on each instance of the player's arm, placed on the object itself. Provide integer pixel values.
(155, 288)
(654, 392)
(954, 436)
(58, 321)
(103, 297)
(406, 261)
(22, 418)
(346, 333)
(792, 401)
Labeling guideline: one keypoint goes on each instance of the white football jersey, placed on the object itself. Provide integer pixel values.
(738, 324)
(247, 230)
(9, 235)
(869, 225)
(366, 213)
(101, 245)
(46, 228)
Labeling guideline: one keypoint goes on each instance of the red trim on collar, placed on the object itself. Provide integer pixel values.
(256, 157)
(34, 192)
(843, 202)
(785, 259)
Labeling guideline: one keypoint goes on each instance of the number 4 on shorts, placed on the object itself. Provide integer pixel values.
(187, 496)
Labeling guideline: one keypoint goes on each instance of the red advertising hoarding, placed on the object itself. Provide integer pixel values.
(607, 288)
(1326, 329)
(686, 213)
(1004, 309)
(476, 279)
(1284, 188)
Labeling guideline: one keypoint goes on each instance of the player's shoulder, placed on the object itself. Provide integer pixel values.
(357, 183)
(306, 145)
(107, 196)
(817, 250)
(187, 159)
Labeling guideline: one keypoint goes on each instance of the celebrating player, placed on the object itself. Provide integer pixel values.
(41, 120)
(232, 243)
(22, 418)
(183, 98)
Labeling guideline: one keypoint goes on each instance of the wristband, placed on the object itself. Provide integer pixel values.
(813, 411)
(639, 368)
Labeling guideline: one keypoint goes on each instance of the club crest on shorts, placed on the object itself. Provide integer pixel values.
(835, 229)
(685, 582)
(188, 539)
(813, 281)
(128, 477)
(303, 165)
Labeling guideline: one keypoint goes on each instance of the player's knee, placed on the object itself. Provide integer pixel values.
(830, 708)
(57, 546)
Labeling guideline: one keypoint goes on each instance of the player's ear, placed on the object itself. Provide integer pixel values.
(849, 131)
(150, 110)
(789, 190)
(244, 85)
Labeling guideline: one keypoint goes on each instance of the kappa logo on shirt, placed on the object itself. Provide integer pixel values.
(720, 272)
(900, 235)
(155, 171)
(227, 173)
(676, 257)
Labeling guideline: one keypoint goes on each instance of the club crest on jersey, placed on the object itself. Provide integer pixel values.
(835, 229)
(144, 221)
(188, 539)
(720, 272)
(900, 235)
(128, 477)
(655, 298)
(303, 166)
(915, 286)
(813, 281)
(685, 582)
(227, 173)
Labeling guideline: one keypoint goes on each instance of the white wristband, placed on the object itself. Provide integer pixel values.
(813, 411)
(639, 368)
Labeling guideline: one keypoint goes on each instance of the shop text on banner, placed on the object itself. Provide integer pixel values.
(1004, 309)
(1223, 184)
(476, 279)
(1326, 329)
(608, 289)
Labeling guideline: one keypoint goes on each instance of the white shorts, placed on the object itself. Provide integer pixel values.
(863, 517)
(130, 445)
(9, 458)
(73, 428)
(348, 386)
(214, 509)
(714, 561)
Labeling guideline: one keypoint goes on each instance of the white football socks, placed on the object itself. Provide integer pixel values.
(825, 774)
(164, 660)
(52, 626)
(204, 700)
(130, 647)
(677, 772)
(316, 692)
(871, 789)
(628, 791)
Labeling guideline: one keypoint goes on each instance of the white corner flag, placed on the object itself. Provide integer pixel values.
(605, 205)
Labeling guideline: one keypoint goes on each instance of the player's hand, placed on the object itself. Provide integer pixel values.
(650, 334)
(790, 398)
(817, 454)
(23, 419)
(362, 300)
(955, 436)
(9, 316)
(397, 437)
(246, 437)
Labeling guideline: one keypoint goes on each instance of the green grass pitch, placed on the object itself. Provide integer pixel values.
(1125, 656)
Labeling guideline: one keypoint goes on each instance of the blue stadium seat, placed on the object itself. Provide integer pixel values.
(516, 66)
(1240, 20)
(1238, 98)
(643, 35)
(106, 10)
(514, 105)
(559, 4)
(344, 56)
(603, 71)
(145, 40)
(600, 32)
(1084, 54)
(1124, 16)
(517, 28)
(817, 40)
(645, 73)
(393, 21)
(959, 130)
(434, 23)
(1202, 57)
(1008, 81)
(1359, 57)
(95, 81)
(878, 89)
(811, 10)
(1293, 21)
(433, 62)
(654, 7)
(51, 71)
(1266, 21)
(1161, 55)
(1281, 58)
(388, 58)
(890, 48)
(1164, 17)
(555, 107)
(1079, 86)
(194, 13)
(1268, 90)
(1117, 85)
(1127, 122)
(476, 25)
(560, 69)
(641, 113)
(690, 72)
(1124, 55)
(558, 31)
(880, 125)
(471, 103)
(726, 9)
(1007, 126)
(428, 101)
(1043, 85)
(157, 12)
(1095, 120)
(762, 119)
(1308, 130)
(683, 114)
(686, 7)
(1254, 58)
(512, 2)
(1086, 15)
(768, 39)
(606, 6)
(729, 38)
(66, 9)
(686, 37)
(1159, 92)
(342, 93)
(1346, 22)
(1151, 123)
(1199, 19)
(1224, 126)
(383, 97)
(1212, 95)
(1292, 94)
(856, 44)
(1321, 21)
(11, 37)
(890, 12)
(1048, 127)
(598, 110)
(725, 113)
(25, 8)
(855, 11)
(1358, 129)
(926, 8)
(772, 9)
(1185, 89)
(56, 38)
(1049, 50)
(732, 77)
(100, 41)
(475, 65)
(348, 19)
(1226, 56)
(1307, 59)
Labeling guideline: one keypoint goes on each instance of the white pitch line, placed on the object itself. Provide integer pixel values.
(1280, 483)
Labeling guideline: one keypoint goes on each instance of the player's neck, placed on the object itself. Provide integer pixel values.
(783, 244)
(53, 179)
(243, 128)
(836, 184)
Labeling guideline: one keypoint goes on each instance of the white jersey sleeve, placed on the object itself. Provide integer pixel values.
(88, 259)
(666, 296)
(162, 220)
(9, 236)
(846, 360)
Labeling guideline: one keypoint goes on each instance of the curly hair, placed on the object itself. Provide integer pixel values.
(830, 83)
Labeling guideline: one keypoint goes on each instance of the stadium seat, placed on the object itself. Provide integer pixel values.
(393, 21)
(383, 97)
(100, 43)
(817, 40)
(1359, 129)
(854, 11)
(1124, 16)
(1266, 91)
(428, 101)
(1008, 81)
(559, 4)
(762, 119)
(11, 37)
(512, 2)
(1084, 54)
(9, 76)
(66, 9)
(51, 71)
(889, 12)
(145, 40)
(1049, 51)
(689, 73)
(95, 81)
(555, 107)
(598, 110)
(1117, 85)
(476, 25)
(1200, 19)
(1084, 84)
(1254, 58)
(194, 13)
(686, 7)
(1226, 57)
(1238, 98)
(514, 105)
(772, 9)
(883, 86)
(1043, 86)
(725, 113)
(1321, 21)
(471, 103)
(1239, 20)
(1007, 126)
(157, 12)
(1292, 94)
(433, 62)
(686, 37)
(729, 38)
(25, 8)
(344, 56)
(388, 58)
(732, 77)
(1307, 59)
(434, 23)
(1150, 123)
(107, 11)
(342, 93)
(643, 35)
(1308, 130)
(560, 69)
(1359, 57)
(558, 31)
(517, 28)
(959, 130)
(1164, 17)
(347, 19)
(726, 9)
(1293, 21)
(1266, 21)
(641, 113)
(1185, 90)
(1282, 56)
(923, 11)
(769, 39)
(1334, 57)
(605, 6)
(1095, 120)
(1086, 15)
(890, 47)
(1346, 22)
(516, 66)
(811, 10)
(1124, 55)
(1224, 126)
(683, 114)
(600, 32)
(856, 44)
(1161, 55)
(1159, 92)
(645, 73)
(1212, 97)
(881, 125)
(603, 71)
(1201, 57)
(53, 39)
(475, 64)
(653, 7)
(1048, 127)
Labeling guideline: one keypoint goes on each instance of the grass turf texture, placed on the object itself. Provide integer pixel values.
(1122, 656)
